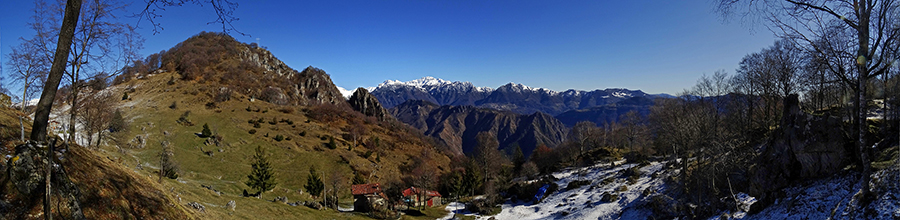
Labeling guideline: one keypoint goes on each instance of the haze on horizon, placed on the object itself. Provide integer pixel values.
(653, 46)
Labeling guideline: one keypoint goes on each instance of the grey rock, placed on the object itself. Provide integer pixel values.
(197, 206)
(231, 205)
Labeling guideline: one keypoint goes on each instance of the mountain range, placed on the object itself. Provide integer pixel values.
(570, 106)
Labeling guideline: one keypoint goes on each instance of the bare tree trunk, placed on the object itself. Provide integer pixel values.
(72, 105)
(864, 11)
(63, 45)
(24, 93)
(22, 127)
(48, 214)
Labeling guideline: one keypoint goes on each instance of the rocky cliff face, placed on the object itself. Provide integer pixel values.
(804, 146)
(362, 101)
(457, 126)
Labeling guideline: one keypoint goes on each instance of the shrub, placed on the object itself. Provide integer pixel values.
(279, 138)
(273, 121)
(224, 94)
(252, 131)
(125, 97)
(256, 125)
(577, 183)
(632, 174)
(331, 144)
(183, 119)
(609, 197)
(173, 105)
(286, 110)
(117, 123)
(303, 134)
(168, 166)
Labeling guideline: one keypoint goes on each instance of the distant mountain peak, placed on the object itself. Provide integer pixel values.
(518, 87)
(431, 83)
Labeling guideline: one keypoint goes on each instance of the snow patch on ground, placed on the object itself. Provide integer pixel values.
(585, 202)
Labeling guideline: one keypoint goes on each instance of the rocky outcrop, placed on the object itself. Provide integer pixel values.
(27, 169)
(315, 86)
(802, 147)
(457, 126)
(364, 102)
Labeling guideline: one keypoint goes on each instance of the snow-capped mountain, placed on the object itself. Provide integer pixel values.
(513, 97)
(439, 91)
(429, 83)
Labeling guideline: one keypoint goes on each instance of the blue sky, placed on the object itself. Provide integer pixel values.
(654, 46)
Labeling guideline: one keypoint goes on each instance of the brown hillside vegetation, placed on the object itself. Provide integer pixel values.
(108, 190)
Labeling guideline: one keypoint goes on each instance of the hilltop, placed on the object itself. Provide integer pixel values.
(248, 98)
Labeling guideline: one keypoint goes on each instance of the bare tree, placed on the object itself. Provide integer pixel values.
(635, 131)
(489, 158)
(582, 134)
(96, 114)
(337, 181)
(872, 26)
(28, 67)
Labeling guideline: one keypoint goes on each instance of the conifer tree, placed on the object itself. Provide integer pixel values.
(262, 176)
(314, 184)
(206, 132)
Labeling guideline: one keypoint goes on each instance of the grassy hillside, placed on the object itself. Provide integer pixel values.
(154, 107)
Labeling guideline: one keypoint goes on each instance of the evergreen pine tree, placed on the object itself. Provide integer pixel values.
(206, 132)
(117, 123)
(262, 176)
(314, 184)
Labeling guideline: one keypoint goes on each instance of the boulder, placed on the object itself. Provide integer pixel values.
(314, 205)
(197, 206)
(27, 168)
(231, 205)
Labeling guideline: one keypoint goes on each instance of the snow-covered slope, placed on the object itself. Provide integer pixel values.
(828, 198)
(586, 202)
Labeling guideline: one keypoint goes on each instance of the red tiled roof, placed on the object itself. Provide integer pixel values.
(365, 189)
(413, 190)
